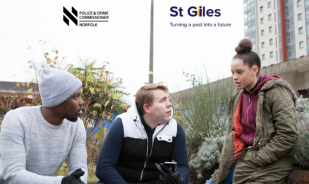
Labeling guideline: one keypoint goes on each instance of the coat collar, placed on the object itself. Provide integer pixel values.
(133, 113)
(267, 85)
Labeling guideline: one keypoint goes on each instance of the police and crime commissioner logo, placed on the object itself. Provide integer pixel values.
(84, 18)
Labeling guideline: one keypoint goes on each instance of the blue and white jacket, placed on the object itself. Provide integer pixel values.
(136, 149)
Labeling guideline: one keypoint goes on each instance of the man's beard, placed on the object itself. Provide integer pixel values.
(73, 119)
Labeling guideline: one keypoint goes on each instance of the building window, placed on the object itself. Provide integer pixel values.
(262, 32)
(270, 29)
(271, 54)
(263, 57)
(301, 44)
(269, 17)
(269, 4)
(262, 20)
(299, 3)
(300, 16)
(263, 44)
(261, 8)
(270, 41)
(300, 30)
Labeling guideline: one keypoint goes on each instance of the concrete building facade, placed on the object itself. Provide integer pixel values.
(262, 20)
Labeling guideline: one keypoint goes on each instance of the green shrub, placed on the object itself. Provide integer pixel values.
(302, 112)
(208, 155)
(205, 121)
(301, 150)
(91, 173)
(206, 106)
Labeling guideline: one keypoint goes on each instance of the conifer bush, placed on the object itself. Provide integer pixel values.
(301, 150)
(208, 155)
(302, 112)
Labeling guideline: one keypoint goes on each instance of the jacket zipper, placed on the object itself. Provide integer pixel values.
(155, 137)
(146, 156)
(150, 151)
(266, 126)
(145, 162)
(248, 110)
(265, 120)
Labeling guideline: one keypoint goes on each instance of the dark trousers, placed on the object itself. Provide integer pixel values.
(229, 179)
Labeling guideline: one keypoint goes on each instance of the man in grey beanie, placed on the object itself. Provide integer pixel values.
(35, 141)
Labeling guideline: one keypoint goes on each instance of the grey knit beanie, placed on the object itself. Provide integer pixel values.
(56, 86)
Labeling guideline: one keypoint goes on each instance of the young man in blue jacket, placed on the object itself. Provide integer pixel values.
(142, 140)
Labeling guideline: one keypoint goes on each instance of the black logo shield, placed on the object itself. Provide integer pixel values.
(68, 14)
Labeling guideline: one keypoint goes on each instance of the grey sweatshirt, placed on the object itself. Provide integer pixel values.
(32, 150)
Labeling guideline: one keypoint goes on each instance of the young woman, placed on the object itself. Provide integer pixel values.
(261, 125)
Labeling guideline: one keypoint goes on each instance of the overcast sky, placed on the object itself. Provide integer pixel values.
(123, 41)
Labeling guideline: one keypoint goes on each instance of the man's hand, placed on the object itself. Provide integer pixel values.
(74, 177)
(169, 176)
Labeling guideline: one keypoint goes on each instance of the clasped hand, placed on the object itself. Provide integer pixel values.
(169, 176)
(74, 177)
